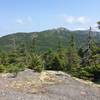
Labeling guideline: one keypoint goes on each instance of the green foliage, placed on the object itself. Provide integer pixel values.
(85, 73)
(25, 51)
(72, 57)
(91, 73)
(55, 60)
(44, 40)
(15, 68)
(90, 60)
(98, 24)
(35, 62)
(3, 58)
(12, 58)
(2, 68)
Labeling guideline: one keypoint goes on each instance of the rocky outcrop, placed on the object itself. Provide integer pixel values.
(47, 85)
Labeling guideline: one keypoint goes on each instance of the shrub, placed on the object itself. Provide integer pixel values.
(85, 74)
(36, 62)
(54, 61)
(2, 68)
(15, 68)
(91, 73)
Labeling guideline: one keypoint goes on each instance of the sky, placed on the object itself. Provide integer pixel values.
(38, 15)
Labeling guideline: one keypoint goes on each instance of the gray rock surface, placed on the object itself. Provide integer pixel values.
(49, 85)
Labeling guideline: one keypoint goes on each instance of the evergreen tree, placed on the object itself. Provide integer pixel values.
(72, 57)
(54, 61)
(90, 60)
(48, 56)
(89, 52)
(3, 61)
(3, 58)
(35, 62)
(98, 24)
(32, 44)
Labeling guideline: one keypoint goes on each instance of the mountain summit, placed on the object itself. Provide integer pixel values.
(45, 39)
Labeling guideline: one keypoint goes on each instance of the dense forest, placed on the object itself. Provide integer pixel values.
(46, 39)
(77, 53)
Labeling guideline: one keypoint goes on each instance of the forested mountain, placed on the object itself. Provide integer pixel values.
(45, 39)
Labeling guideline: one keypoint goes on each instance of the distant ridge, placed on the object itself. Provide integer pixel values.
(46, 39)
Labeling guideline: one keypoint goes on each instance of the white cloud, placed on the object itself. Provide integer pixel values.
(19, 21)
(76, 20)
(70, 19)
(83, 20)
(80, 28)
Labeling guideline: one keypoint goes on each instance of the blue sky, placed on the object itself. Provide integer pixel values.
(38, 15)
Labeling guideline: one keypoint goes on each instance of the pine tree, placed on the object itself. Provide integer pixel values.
(54, 60)
(48, 57)
(3, 58)
(98, 24)
(33, 44)
(60, 50)
(89, 51)
(35, 62)
(72, 56)
(90, 59)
